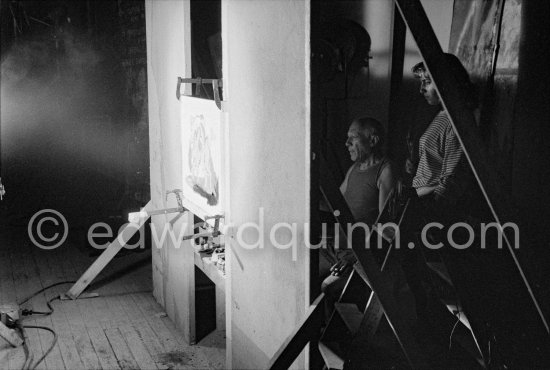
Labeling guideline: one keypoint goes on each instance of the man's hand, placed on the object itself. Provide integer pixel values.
(345, 262)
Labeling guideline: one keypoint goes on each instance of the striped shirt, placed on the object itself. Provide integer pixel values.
(442, 163)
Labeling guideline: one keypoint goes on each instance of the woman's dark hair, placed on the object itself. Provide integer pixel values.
(466, 88)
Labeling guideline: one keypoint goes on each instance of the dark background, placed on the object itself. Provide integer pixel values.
(74, 131)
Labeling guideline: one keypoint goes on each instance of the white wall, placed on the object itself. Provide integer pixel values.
(173, 267)
(266, 86)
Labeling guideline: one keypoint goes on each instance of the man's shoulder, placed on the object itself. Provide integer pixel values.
(386, 162)
(387, 166)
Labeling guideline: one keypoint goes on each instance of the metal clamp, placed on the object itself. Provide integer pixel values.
(216, 84)
(135, 217)
(209, 234)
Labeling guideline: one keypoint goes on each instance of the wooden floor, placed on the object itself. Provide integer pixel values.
(124, 328)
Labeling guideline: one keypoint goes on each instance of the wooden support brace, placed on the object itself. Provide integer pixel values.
(297, 340)
(106, 257)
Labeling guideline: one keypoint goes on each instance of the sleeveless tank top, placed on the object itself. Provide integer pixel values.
(360, 190)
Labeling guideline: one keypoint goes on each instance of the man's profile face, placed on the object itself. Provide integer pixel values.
(358, 143)
(427, 89)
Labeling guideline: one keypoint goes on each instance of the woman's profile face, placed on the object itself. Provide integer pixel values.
(428, 90)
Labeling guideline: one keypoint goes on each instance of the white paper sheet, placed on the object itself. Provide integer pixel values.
(201, 136)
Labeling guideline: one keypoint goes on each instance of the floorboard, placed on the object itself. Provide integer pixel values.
(123, 328)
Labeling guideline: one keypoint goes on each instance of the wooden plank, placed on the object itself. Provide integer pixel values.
(166, 343)
(137, 347)
(177, 351)
(6, 279)
(65, 341)
(371, 319)
(297, 340)
(332, 360)
(174, 351)
(350, 314)
(80, 335)
(151, 341)
(152, 311)
(122, 352)
(142, 347)
(359, 270)
(139, 322)
(117, 315)
(106, 257)
(67, 346)
(35, 346)
(101, 345)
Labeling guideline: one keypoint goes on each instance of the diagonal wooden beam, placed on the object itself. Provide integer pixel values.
(297, 340)
(108, 254)
(463, 122)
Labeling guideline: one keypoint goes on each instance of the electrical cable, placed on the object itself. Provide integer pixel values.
(48, 303)
(28, 355)
(52, 345)
(26, 351)
(42, 290)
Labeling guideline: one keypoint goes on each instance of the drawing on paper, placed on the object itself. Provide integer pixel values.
(202, 178)
(201, 159)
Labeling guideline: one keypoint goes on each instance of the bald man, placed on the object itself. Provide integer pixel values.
(366, 186)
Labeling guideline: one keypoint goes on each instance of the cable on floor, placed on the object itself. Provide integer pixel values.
(42, 290)
(27, 312)
(54, 341)
(26, 352)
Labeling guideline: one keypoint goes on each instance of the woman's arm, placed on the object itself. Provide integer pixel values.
(425, 190)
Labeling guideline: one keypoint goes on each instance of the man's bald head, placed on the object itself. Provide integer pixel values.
(365, 137)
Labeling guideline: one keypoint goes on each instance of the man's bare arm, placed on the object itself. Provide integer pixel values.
(386, 182)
